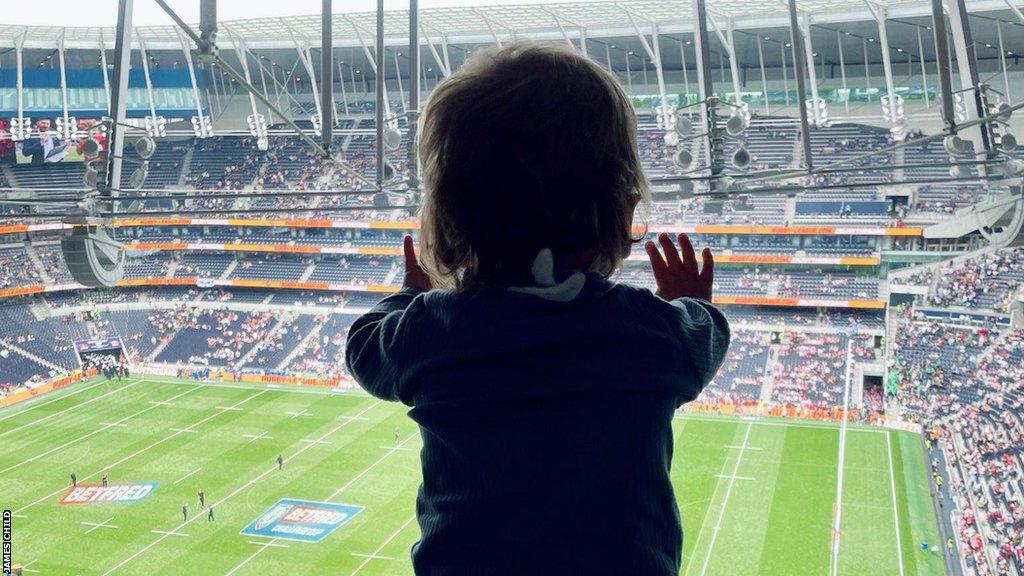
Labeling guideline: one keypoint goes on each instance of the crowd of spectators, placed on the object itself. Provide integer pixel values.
(965, 385)
(997, 274)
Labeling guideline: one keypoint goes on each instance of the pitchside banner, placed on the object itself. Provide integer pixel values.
(112, 494)
(301, 520)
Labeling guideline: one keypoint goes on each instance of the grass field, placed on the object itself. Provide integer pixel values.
(756, 497)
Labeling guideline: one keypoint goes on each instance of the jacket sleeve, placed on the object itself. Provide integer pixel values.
(373, 349)
(704, 333)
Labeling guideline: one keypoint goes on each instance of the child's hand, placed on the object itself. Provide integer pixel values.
(678, 277)
(415, 276)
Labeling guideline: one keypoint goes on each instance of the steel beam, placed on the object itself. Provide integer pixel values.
(705, 83)
(974, 102)
(63, 82)
(327, 106)
(145, 73)
(381, 97)
(413, 110)
(119, 98)
(797, 40)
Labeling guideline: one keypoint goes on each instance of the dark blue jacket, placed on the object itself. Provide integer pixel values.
(547, 426)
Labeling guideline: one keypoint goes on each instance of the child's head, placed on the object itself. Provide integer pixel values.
(528, 147)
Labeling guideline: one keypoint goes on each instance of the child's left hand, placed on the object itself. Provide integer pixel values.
(415, 276)
(679, 277)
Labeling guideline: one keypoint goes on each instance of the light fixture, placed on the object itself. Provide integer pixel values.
(741, 158)
(954, 145)
(682, 159)
(145, 147)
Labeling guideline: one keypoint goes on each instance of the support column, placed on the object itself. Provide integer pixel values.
(883, 43)
(1002, 61)
(149, 80)
(924, 69)
(842, 68)
(764, 77)
(69, 130)
(381, 97)
(969, 79)
(414, 93)
(705, 83)
(103, 65)
(327, 105)
(19, 84)
(686, 75)
(118, 100)
(805, 32)
(796, 38)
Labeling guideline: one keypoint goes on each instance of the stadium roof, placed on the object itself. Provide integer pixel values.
(483, 24)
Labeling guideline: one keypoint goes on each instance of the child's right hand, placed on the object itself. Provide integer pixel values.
(415, 276)
(679, 277)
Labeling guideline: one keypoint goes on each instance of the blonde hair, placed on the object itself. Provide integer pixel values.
(528, 147)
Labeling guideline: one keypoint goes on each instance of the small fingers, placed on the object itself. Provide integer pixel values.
(689, 258)
(707, 270)
(658, 265)
(671, 254)
(411, 263)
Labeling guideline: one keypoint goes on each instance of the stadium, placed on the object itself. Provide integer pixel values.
(194, 212)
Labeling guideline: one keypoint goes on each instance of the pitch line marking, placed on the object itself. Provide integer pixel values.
(728, 492)
(269, 543)
(264, 546)
(733, 477)
(136, 453)
(311, 441)
(175, 483)
(381, 547)
(170, 533)
(351, 418)
(96, 525)
(895, 509)
(390, 451)
(754, 448)
(48, 416)
(89, 435)
(112, 424)
(32, 570)
(184, 430)
(254, 437)
(235, 492)
(161, 403)
(304, 412)
(372, 556)
(19, 516)
(229, 408)
(395, 448)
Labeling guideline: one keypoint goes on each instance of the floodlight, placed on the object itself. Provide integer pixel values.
(959, 172)
(1008, 143)
(684, 126)
(671, 139)
(145, 147)
(392, 138)
(91, 147)
(138, 177)
(741, 158)
(1004, 111)
(1013, 167)
(954, 145)
(737, 123)
(682, 158)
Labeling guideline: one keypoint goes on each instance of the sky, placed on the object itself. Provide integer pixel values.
(104, 12)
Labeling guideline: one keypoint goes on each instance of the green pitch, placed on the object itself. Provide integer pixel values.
(756, 497)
